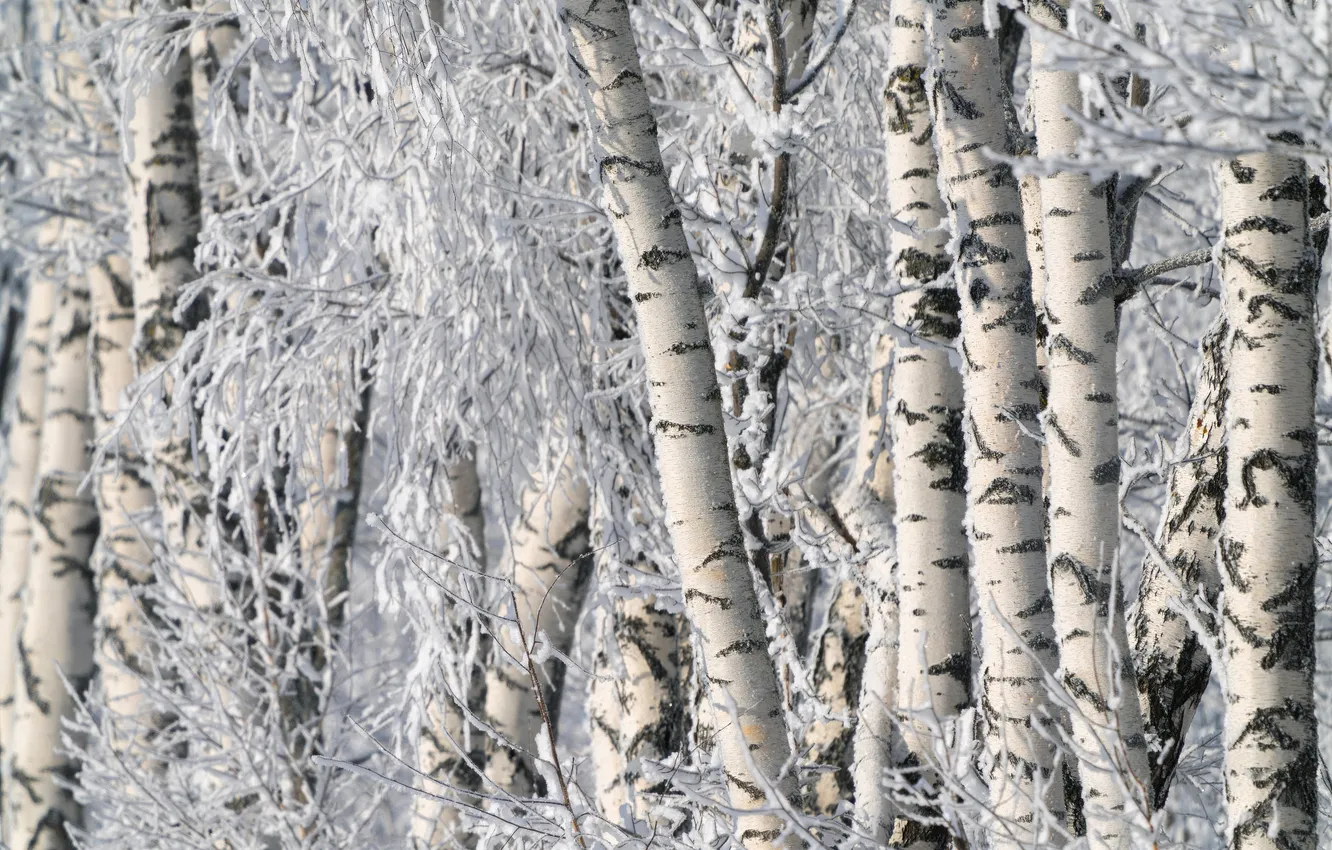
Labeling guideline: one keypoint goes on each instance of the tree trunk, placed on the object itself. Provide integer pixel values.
(549, 552)
(605, 717)
(443, 730)
(25, 439)
(687, 424)
(650, 702)
(164, 210)
(869, 512)
(1082, 440)
(56, 636)
(934, 670)
(122, 561)
(1267, 535)
(999, 378)
(1172, 664)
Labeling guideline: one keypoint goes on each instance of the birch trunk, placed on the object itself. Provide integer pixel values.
(690, 439)
(650, 701)
(1082, 441)
(605, 717)
(1172, 664)
(934, 670)
(25, 438)
(1000, 386)
(164, 222)
(122, 561)
(435, 823)
(1267, 534)
(548, 550)
(328, 516)
(56, 638)
(871, 512)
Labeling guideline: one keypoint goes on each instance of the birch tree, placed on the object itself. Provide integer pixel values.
(687, 426)
(1171, 661)
(999, 379)
(25, 437)
(443, 731)
(1082, 438)
(934, 671)
(122, 561)
(55, 639)
(164, 221)
(1266, 545)
(548, 553)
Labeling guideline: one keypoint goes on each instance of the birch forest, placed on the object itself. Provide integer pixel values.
(665, 424)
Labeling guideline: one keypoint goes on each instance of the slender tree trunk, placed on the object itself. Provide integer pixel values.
(25, 439)
(690, 439)
(870, 513)
(650, 727)
(1172, 664)
(934, 672)
(605, 717)
(122, 560)
(999, 378)
(443, 730)
(1267, 534)
(550, 568)
(56, 639)
(164, 210)
(1082, 431)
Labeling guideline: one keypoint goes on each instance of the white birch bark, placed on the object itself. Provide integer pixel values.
(1082, 441)
(934, 670)
(687, 424)
(1000, 385)
(1032, 219)
(605, 717)
(648, 640)
(164, 222)
(433, 822)
(56, 635)
(548, 552)
(875, 736)
(1172, 665)
(1267, 534)
(870, 513)
(122, 561)
(24, 445)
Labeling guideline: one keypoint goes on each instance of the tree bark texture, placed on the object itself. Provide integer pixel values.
(1268, 560)
(164, 222)
(56, 636)
(934, 669)
(25, 439)
(1000, 390)
(549, 553)
(444, 731)
(687, 423)
(1173, 666)
(1082, 440)
(122, 561)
